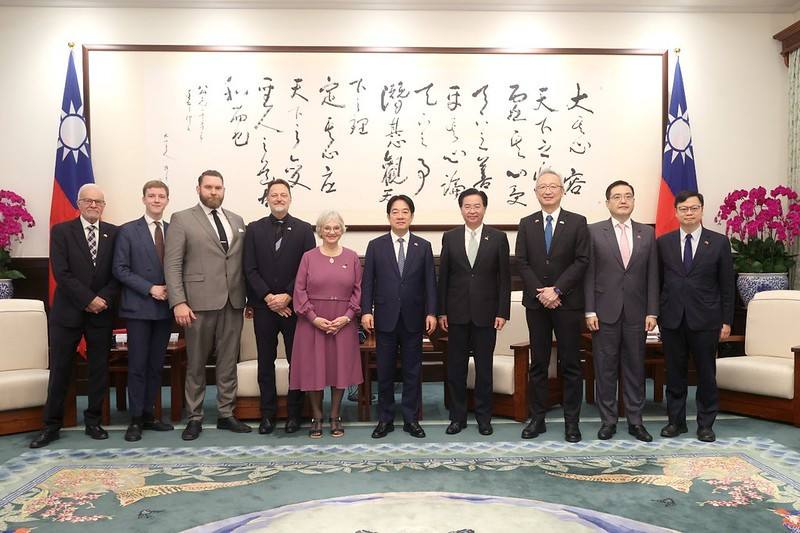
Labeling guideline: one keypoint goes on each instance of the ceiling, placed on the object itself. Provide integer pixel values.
(718, 6)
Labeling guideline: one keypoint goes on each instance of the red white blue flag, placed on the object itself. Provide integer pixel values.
(677, 166)
(73, 164)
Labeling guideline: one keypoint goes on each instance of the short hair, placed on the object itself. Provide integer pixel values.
(397, 197)
(155, 184)
(279, 181)
(214, 173)
(617, 184)
(326, 216)
(86, 186)
(471, 191)
(548, 170)
(685, 195)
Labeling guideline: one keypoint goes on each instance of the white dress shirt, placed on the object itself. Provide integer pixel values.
(151, 225)
(225, 224)
(85, 223)
(468, 235)
(695, 240)
(628, 233)
(555, 214)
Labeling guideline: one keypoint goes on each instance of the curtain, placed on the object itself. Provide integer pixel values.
(794, 142)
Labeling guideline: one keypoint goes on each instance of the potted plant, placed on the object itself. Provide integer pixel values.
(13, 215)
(762, 229)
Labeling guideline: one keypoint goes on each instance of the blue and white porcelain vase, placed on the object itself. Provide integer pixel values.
(750, 283)
(6, 289)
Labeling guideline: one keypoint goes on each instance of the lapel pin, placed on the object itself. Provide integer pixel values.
(536, 220)
(416, 244)
(241, 230)
(638, 236)
(705, 242)
(105, 235)
(289, 228)
(486, 238)
(344, 265)
(560, 221)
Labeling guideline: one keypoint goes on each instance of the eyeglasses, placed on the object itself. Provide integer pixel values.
(548, 187)
(684, 209)
(89, 201)
(618, 197)
(334, 229)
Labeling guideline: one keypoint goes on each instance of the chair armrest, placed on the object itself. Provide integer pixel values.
(733, 338)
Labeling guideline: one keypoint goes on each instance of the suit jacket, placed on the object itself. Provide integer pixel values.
(705, 293)
(476, 293)
(266, 270)
(565, 265)
(197, 269)
(137, 267)
(610, 288)
(78, 280)
(386, 294)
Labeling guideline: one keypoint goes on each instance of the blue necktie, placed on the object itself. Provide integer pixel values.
(687, 253)
(548, 233)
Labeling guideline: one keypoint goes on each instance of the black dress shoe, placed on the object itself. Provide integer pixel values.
(266, 426)
(155, 424)
(640, 433)
(706, 434)
(673, 430)
(192, 431)
(382, 429)
(414, 429)
(134, 432)
(572, 433)
(96, 432)
(231, 423)
(292, 425)
(485, 428)
(606, 431)
(535, 427)
(44, 438)
(455, 427)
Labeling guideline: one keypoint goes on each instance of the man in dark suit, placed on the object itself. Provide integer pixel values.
(80, 258)
(621, 288)
(696, 312)
(398, 299)
(553, 253)
(139, 266)
(474, 304)
(205, 285)
(273, 248)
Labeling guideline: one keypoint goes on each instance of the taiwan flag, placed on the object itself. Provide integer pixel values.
(677, 167)
(73, 164)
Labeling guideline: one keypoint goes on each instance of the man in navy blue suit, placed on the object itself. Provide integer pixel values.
(696, 307)
(139, 266)
(398, 299)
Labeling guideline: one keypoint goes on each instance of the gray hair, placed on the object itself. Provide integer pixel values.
(87, 186)
(326, 216)
(548, 170)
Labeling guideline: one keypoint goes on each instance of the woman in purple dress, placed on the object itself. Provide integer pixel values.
(327, 294)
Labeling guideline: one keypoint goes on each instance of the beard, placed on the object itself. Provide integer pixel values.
(211, 202)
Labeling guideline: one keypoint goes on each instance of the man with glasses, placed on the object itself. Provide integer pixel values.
(553, 252)
(273, 248)
(621, 289)
(81, 251)
(696, 312)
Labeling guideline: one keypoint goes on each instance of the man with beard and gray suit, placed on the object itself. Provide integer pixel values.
(621, 291)
(205, 283)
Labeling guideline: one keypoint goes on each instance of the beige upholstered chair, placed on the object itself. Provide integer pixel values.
(23, 365)
(765, 382)
(510, 367)
(248, 394)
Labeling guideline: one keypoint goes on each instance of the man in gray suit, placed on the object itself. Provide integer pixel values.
(203, 269)
(621, 287)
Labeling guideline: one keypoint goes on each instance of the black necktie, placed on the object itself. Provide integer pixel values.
(687, 253)
(223, 237)
(278, 233)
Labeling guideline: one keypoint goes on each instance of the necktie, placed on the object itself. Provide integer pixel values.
(278, 234)
(223, 237)
(548, 233)
(91, 240)
(472, 249)
(159, 239)
(687, 253)
(401, 256)
(624, 247)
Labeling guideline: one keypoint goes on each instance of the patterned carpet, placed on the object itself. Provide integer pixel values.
(746, 484)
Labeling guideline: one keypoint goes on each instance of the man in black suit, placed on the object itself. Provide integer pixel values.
(139, 266)
(696, 306)
(398, 301)
(474, 304)
(81, 251)
(553, 253)
(273, 248)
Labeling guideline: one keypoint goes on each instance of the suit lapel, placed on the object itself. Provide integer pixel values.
(613, 243)
(460, 250)
(702, 248)
(538, 232)
(147, 240)
(78, 234)
(202, 219)
(412, 252)
(636, 249)
(483, 246)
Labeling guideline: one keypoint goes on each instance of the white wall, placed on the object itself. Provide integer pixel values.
(735, 79)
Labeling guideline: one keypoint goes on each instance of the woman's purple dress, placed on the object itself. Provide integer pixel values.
(329, 288)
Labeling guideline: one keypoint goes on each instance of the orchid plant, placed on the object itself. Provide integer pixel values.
(762, 227)
(13, 215)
